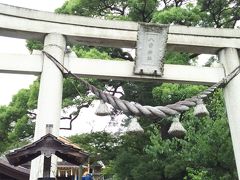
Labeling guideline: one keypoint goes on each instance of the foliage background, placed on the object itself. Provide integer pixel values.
(206, 150)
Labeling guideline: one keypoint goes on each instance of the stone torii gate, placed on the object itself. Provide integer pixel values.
(55, 30)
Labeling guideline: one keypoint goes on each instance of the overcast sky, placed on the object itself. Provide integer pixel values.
(11, 83)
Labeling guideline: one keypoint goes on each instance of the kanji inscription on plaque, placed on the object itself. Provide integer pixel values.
(151, 46)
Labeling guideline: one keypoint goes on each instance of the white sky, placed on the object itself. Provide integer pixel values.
(11, 83)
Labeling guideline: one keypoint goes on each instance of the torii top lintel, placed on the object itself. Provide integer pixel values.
(31, 24)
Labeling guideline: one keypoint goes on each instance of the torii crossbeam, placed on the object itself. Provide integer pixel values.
(55, 30)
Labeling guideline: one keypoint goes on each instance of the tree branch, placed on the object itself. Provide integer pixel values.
(31, 115)
(74, 116)
(115, 92)
(119, 53)
(193, 56)
(115, 87)
(113, 8)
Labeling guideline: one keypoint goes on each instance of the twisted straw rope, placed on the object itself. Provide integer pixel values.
(133, 108)
(150, 111)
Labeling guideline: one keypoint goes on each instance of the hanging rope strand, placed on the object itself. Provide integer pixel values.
(148, 111)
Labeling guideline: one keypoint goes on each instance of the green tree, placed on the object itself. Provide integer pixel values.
(102, 145)
(16, 126)
(204, 153)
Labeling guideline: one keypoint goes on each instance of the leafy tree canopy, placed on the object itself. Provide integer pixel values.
(204, 153)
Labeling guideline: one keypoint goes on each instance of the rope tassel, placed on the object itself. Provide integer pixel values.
(200, 109)
(134, 126)
(102, 109)
(176, 129)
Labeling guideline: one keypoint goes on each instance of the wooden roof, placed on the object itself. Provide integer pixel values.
(19, 173)
(47, 145)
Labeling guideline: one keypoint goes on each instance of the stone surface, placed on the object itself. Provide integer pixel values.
(151, 47)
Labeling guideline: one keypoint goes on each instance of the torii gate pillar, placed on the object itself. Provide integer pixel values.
(49, 99)
(230, 60)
